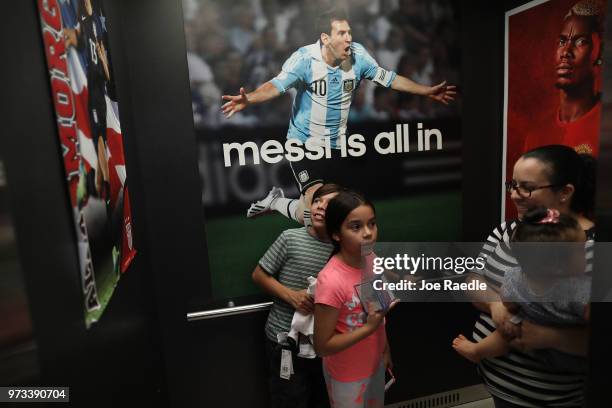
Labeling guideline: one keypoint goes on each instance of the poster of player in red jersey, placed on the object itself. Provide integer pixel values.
(553, 78)
(82, 86)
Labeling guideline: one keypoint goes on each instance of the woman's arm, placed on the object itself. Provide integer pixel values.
(571, 340)
(490, 302)
(482, 300)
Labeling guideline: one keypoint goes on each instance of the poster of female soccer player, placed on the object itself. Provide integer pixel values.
(287, 95)
(76, 46)
(553, 78)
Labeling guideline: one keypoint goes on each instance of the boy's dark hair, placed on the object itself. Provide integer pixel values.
(568, 167)
(325, 19)
(541, 240)
(325, 189)
(338, 209)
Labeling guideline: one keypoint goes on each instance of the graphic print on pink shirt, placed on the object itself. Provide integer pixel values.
(355, 316)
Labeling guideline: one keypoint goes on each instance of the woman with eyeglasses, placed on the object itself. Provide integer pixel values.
(554, 177)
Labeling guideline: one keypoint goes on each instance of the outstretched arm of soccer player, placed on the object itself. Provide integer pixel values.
(442, 93)
(236, 103)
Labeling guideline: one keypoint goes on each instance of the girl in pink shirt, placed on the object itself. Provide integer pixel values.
(353, 344)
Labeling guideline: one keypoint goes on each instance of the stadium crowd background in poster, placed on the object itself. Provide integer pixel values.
(416, 193)
(541, 65)
(76, 46)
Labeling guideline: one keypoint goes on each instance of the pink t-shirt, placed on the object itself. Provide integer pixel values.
(336, 288)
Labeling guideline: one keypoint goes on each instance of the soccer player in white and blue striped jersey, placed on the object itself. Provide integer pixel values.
(326, 75)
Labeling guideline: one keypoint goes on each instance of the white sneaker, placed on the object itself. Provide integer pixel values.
(262, 207)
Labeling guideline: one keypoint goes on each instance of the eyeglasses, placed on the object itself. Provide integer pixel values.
(525, 191)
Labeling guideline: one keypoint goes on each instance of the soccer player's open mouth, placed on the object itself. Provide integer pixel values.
(348, 50)
(564, 70)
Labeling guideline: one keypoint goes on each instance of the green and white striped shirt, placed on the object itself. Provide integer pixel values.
(294, 256)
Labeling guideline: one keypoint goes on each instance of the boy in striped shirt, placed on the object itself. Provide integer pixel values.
(282, 272)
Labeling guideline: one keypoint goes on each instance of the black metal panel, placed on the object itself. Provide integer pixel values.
(118, 358)
(482, 98)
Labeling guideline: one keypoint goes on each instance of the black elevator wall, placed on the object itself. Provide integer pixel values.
(482, 96)
(148, 45)
(18, 351)
(118, 359)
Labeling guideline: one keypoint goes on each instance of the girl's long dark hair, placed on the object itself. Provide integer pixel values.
(338, 209)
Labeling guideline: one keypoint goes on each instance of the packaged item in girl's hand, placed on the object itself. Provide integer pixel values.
(372, 292)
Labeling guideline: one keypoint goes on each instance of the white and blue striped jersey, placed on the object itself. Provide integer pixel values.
(324, 93)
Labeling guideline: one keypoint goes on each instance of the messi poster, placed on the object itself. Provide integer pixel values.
(345, 122)
(80, 71)
(553, 78)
